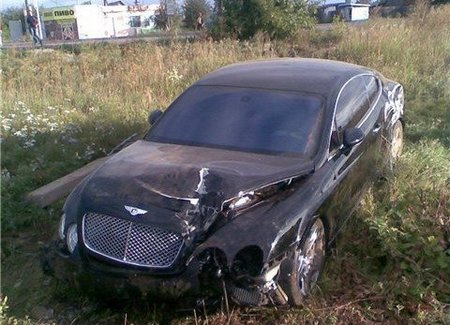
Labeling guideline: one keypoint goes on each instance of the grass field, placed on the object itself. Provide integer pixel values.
(63, 108)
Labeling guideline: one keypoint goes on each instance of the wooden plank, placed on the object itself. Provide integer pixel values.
(47, 194)
(52, 192)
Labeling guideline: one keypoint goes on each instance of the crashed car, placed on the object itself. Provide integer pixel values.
(239, 186)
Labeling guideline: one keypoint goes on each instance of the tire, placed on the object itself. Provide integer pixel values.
(300, 272)
(395, 145)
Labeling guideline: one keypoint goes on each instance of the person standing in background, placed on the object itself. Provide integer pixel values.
(200, 21)
(32, 22)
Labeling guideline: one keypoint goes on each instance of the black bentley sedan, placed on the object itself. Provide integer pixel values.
(240, 185)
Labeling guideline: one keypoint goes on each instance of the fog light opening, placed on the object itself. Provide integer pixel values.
(248, 262)
(72, 237)
(62, 224)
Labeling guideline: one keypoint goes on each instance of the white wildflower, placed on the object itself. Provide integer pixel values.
(89, 152)
(20, 134)
(6, 124)
(6, 176)
(174, 76)
(29, 143)
(53, 126)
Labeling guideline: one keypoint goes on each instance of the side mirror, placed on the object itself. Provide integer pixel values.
(154, 116)
(352, 137)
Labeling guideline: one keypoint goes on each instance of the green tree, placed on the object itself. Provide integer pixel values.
(440, 2)
(191, 10)
(277, 18)
(167, 17)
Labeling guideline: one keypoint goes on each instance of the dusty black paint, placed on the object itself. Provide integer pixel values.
(191, 190)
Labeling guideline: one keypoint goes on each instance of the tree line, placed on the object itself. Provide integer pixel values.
(238, 19)
(242, 19)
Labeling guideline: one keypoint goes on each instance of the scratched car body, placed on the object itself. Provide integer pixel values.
(240, 185)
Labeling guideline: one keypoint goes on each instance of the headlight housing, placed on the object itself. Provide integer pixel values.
(399, 98)
(72, 237)
(242, 202)
(62, 224)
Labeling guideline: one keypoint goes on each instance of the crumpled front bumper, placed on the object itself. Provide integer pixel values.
(92, 275)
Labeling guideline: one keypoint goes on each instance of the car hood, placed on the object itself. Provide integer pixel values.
(145, 172)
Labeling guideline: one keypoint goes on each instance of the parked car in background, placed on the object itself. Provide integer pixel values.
(241, 184)
(346, 11)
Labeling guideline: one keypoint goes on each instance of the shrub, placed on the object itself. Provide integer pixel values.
(191, 10)
(277, 18)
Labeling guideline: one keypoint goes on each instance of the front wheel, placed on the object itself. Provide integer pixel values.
(299, 272)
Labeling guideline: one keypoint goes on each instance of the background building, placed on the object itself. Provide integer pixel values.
(95, 21)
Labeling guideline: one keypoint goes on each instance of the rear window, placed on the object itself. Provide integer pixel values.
(243, 119)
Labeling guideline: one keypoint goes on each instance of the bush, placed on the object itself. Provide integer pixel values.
(192, 8)
(410, 216)
(278, 18)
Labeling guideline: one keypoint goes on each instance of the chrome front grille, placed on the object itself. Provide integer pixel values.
(129, 242)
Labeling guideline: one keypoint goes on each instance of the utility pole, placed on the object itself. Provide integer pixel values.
(38, 15)
(25, 13)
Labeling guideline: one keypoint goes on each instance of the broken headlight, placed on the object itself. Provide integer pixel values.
(72, 237)
(243, 201)
(399, 97)
(246, 200)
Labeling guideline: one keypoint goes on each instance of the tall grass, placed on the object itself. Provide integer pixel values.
(62, 108)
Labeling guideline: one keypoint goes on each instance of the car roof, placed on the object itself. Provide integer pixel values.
(318, 76)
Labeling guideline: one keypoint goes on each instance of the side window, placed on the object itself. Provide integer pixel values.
(353, 103)
(372, 86)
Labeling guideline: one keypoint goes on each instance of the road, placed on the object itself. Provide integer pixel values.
(154, 37)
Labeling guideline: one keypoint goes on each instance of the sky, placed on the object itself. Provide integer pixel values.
(4, 4)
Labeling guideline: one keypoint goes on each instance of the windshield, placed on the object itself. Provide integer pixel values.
(255, 120)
